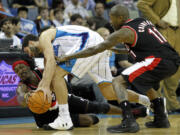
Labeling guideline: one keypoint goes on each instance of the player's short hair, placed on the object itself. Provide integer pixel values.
(27, 38)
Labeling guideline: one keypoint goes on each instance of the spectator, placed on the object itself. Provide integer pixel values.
(91, 24)
(59, 18)
(22, 12)
(2, 9)
(30, 4)
(8, 33)
(16, 24)
(88, 4)
(41, 3)
(56, 4)
(76, 19)
(44, 19)
(27, 26)
(105, 33)
(165, 15)
(99, 16)
(24, 3)
(75, 8)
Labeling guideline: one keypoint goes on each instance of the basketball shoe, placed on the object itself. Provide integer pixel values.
(160, 115)
(62, 122)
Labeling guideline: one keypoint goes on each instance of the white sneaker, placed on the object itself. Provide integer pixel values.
(60, 123)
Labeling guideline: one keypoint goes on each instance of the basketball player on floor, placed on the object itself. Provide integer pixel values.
(29, 79)
(155, 58)
(66, 40)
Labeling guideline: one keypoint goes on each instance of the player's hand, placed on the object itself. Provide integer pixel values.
(113, 70)
(27, 95)
(61, 59)
(163, 24)
(47, 93)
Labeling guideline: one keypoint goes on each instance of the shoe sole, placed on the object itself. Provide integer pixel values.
(47, 127)
(124, 131)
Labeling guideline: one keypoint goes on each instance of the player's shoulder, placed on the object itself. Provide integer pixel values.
(135, 21)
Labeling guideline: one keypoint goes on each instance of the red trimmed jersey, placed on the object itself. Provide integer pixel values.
(148, 41)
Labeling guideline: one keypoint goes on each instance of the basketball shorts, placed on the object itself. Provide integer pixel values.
(96, 66)
(147, 74)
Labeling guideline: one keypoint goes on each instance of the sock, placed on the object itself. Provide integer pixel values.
(64, 109)
(144, 100)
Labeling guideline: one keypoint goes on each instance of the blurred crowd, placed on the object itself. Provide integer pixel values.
(21, 17)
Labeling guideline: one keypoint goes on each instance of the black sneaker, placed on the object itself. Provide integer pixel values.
(140, 111)
(160, 115)
(161, 123)
(127, 126)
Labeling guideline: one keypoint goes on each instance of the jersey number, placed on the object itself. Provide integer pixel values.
(157, 35)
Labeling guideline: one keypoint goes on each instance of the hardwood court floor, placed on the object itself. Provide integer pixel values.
(99, 129)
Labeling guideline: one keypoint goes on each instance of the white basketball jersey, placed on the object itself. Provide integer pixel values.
(71, 38)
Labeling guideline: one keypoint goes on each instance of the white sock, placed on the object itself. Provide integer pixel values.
(144, 100)
(63, 109)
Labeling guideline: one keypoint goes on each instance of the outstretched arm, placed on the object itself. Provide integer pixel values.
(120, 50)
(123, 35)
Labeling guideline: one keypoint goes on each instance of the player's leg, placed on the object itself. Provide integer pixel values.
(84, 120)
(128, 123)
(80, 105)
(109, 93)
(100, 72)
(63, 121)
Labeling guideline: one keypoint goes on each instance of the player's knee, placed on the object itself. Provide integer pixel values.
(118, 80)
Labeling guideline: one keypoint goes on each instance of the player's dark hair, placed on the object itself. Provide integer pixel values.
(28, 38)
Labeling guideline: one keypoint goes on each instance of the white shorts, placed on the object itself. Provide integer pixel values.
(97, 66)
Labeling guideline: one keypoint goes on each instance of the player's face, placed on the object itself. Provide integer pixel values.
(22, 71)
(115, 22)
(32, 50)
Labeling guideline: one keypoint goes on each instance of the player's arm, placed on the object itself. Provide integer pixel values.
(123, 35)
(119, 50)
(50, 63)
(21, 92)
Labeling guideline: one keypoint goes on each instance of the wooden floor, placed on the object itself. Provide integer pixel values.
(99, 129)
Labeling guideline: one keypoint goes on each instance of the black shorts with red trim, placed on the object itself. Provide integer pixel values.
(147, 74)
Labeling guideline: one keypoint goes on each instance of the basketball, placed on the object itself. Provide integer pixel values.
(37, 104)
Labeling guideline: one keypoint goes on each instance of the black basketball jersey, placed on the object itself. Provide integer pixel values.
(148, 41)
